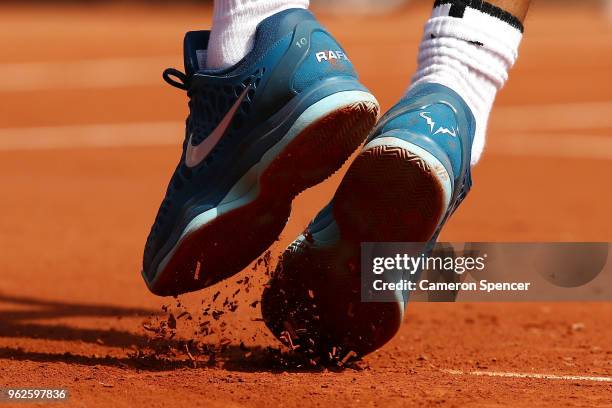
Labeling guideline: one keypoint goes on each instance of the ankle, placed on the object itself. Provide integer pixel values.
(470, 50)
(234, 26)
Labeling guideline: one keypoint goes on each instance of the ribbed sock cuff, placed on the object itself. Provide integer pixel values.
(458, 7)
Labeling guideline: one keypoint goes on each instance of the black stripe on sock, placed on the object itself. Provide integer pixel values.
(478, 43)
(458, 9)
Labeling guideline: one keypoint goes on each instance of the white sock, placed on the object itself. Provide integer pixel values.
(234, 25)
(469, 46)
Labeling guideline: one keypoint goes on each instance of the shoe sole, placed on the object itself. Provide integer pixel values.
(407, 206)
(394, 191)
(224, 240)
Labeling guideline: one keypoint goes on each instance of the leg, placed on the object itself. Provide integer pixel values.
(517, 8)
(411, 175)
(469, 46)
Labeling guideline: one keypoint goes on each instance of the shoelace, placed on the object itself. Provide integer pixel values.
(171, 73)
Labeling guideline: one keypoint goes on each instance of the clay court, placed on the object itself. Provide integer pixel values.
(89, 135)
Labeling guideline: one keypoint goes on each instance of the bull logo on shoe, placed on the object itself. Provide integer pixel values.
(441, 130)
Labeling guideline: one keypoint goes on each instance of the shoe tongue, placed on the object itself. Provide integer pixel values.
(195, 46)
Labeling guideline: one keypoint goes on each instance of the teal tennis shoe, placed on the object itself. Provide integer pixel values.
(410, 176)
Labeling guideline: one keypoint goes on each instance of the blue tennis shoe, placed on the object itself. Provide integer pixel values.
(278, 122)
(410, 176)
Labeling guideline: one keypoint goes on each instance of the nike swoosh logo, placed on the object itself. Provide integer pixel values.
(196, 154)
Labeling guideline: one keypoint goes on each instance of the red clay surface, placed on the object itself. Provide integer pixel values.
(75, 313)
